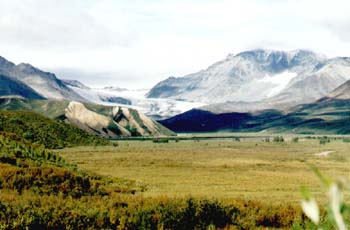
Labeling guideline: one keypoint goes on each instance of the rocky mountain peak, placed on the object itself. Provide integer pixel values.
(260, 76)
(4, 63)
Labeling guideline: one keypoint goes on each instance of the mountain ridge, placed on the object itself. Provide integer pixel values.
(13, 87)
(44, 83)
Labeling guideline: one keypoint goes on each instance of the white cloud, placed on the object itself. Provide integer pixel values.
(146, 41)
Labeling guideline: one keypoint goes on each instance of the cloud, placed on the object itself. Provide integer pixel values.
(333, 16)
(100, 79)
(63, 24)
(149, 40)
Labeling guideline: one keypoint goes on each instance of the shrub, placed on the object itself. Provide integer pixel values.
(295, 139)
(346, 139)
(212, 213)
(324, 140)
(278, 139)
(160, 140)
(236, 139)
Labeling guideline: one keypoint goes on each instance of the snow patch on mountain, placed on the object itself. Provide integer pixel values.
(279, 81)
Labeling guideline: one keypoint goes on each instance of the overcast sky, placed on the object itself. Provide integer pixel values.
(136, 43)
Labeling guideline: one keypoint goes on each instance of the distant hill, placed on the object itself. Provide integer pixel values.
(104, 121)
(41, 130)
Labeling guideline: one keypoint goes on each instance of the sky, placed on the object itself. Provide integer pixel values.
(137, 43)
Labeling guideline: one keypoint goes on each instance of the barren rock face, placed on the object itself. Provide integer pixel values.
(77, 114)
(117, 122)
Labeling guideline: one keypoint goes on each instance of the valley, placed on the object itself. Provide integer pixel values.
(235, 146)
(174, 115)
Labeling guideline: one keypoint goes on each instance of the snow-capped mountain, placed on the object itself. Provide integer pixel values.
(259, 79)
(43, 83)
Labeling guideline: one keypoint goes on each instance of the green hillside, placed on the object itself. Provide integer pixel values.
(52, 109)
(39, 190)
(42, 130)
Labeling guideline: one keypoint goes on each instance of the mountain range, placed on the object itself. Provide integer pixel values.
(258, 79)
(258, 90)
(24, 87)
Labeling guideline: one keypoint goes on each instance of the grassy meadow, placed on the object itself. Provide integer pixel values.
(221, 168)
(202, 182)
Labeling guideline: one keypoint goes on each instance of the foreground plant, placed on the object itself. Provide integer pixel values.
(337, 210)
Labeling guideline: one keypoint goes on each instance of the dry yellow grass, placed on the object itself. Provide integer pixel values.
(222, 169)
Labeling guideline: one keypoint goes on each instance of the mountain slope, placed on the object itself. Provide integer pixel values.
(342, 92)
(259, 79)
(272, 122)
(44, 83)
(12, 87)
(104, 121)
(330, 114)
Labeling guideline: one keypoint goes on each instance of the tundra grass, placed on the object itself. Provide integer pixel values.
(224, 169)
